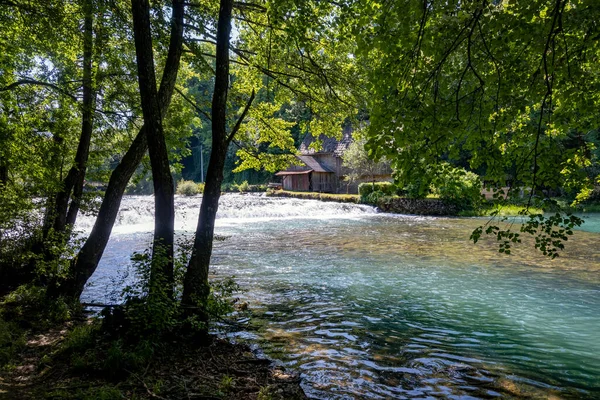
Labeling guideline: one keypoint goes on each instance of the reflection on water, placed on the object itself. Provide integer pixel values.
(380, 306)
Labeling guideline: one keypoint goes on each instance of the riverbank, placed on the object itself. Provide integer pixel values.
(435, 206)
(338, 198)
(71, 361)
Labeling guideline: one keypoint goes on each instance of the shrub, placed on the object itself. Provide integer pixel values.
(121, 358)
(373, 197)
(418, 188)
(80, 338)
(366, 189)
(257, 188)
(29, 306)
(241, 187)
(152, 316)
(11, 340)
(457, 185)
(189, 188)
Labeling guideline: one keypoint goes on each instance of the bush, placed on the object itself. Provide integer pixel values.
(29, 306)
(189, 188)
(387, 188)
(81, 338)
(418, 188)
(151, 316)
(241, 187)
(373, 197)
(457, 185)
(257, 188)
(371, 193)
(11, 340)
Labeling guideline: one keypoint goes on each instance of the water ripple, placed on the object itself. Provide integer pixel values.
(375, 307)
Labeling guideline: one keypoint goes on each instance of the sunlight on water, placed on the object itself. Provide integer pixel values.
(368, 305)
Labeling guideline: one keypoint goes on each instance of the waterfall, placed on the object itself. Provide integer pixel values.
(137, 212)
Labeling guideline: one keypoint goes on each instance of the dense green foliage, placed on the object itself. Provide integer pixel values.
(505, 87)
(449, 183)
(387, 188)
(452, 96)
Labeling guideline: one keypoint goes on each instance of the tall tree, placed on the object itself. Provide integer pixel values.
(196, 287)
(164, 204)
(60, 213)
(47, 89)
(90, 254)
(290, 64)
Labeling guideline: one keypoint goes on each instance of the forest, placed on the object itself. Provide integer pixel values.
(99, 98)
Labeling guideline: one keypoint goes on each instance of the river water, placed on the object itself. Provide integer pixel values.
(368, 305)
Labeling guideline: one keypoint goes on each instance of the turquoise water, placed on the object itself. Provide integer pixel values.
(365, 305)
(591, 224)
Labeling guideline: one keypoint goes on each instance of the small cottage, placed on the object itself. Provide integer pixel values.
(321, 170)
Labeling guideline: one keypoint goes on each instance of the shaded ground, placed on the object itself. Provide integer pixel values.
(221, 370)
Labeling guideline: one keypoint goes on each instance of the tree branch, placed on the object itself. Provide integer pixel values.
(237, 125)
(193, 104)
(249, 6)
(29, 81)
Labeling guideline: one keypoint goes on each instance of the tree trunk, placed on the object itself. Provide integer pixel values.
(161, 276)
(3, 173)
(90, 254)
(76, 175)
(196, 288)
(60, 216)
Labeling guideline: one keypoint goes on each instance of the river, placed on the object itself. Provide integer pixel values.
(369, 305)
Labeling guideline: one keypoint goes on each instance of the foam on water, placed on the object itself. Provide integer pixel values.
(137, 212)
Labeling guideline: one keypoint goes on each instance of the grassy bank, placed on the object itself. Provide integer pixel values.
(508, 210)
(486, 209)
(339, 198)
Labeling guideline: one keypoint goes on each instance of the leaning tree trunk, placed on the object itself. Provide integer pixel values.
(196, 288)
(74, 180)
(90, 254)
(161, 275)
(88, 114)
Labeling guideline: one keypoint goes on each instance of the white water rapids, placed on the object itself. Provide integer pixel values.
(137, 212)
